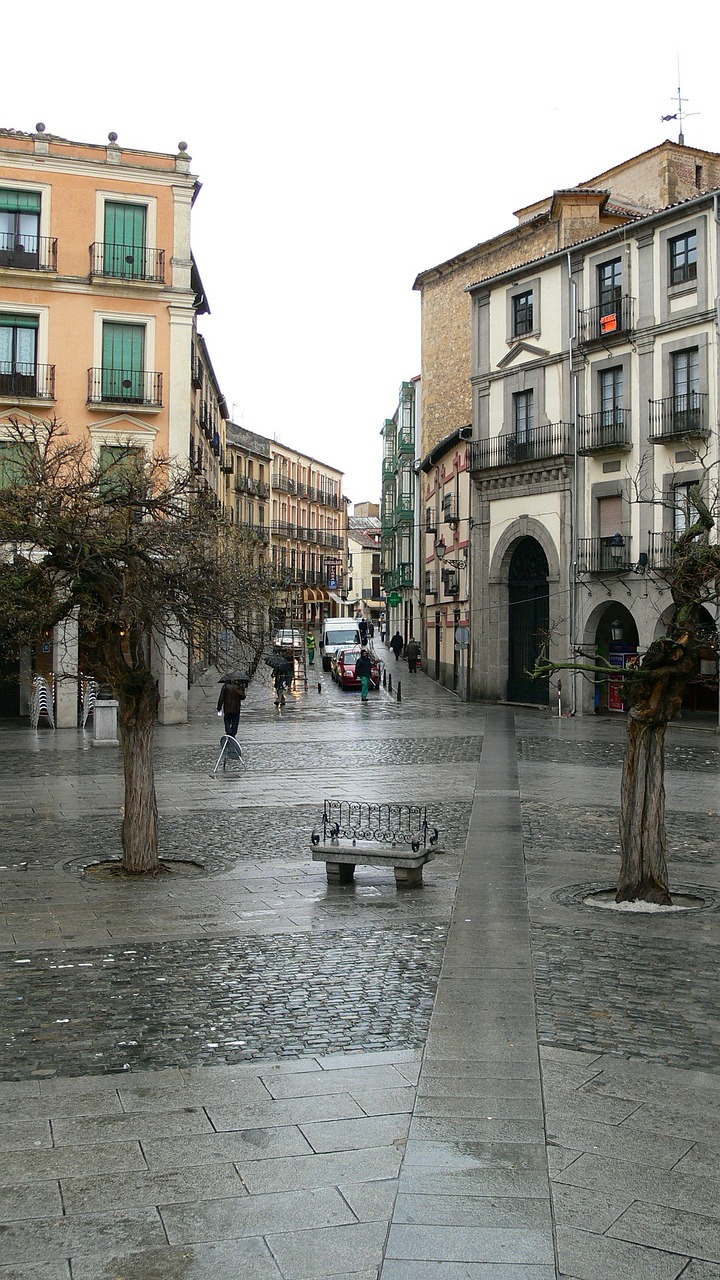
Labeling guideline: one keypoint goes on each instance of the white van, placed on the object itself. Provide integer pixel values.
(337, 633)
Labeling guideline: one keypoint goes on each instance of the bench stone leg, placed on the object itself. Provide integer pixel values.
(408, 876)
(340, 872)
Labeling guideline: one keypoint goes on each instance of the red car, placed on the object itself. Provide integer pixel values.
(343, 669)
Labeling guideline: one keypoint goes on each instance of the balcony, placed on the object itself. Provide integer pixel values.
(608, 321)
(554, 440)
(430, 582)
(125, 386)
(282, 481)
(406, 442)
(661, 550)
(127, 262)
(245, 484)
(284, 529)
(405, 576)
(389, 468)
(20, 381)
(604, 431)
(27, 253)
(604, 555)
(262, 489)
(403, 511)
(677, 417)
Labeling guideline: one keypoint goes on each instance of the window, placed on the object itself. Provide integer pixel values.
(123, 361)
(683, 511)
(19, 228)
(18, 355)
(14, 458)
(523, 415)
(610, 295)
(121, 470)
(686, 402)
(611, 397)
(522, 310)
(683, 258)
(124, 241)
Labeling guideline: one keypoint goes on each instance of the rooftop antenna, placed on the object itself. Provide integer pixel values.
(680, 115)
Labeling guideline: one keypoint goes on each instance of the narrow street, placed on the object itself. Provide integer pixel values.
(239, 1070)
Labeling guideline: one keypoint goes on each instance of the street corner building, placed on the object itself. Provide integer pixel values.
(569, 398)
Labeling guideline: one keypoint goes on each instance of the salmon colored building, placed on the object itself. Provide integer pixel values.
(98, 302)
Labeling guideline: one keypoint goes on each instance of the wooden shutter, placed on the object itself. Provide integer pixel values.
(610, 511)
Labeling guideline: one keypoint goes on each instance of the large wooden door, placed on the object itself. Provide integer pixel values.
(529, 615)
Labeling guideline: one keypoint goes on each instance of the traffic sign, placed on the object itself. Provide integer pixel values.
(462, 637)
(394, 599)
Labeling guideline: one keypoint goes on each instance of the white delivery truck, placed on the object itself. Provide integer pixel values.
(337, 633)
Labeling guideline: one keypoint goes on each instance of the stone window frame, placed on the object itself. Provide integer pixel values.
(516, 291)
(698, 286)
(611, 489)
(596, 260)
(598, 367)
(523, 380)
(672, 480)
(684, 343)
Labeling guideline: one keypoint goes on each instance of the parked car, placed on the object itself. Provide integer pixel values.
(343, 668)
(288, 641)
(337, 634)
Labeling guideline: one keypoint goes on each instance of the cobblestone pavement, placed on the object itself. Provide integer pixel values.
(211, 1075)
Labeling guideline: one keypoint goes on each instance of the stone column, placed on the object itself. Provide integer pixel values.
(170, 667)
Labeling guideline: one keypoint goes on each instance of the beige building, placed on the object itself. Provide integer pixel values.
(498, 322)
(364, 574)
(446, 550)
(595, 388)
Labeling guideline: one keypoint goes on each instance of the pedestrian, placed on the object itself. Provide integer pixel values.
(310, 648)
(280, 682)
(363, 629)
(363, 671)
(397, 644)
(412, 654)
(230, 701)
(371, 629)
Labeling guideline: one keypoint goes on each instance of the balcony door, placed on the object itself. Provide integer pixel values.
(123, 361)
(529, 614)
(610, 295)
(124, 241)
(611, 403)
(686, 390)
(19, 228)
(18, 355)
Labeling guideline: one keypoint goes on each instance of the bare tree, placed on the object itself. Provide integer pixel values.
(653, 691)
(132, 548)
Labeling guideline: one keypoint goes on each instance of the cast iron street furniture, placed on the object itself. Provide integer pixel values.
(378, 835)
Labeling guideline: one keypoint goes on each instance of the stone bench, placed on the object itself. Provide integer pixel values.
(376, 835)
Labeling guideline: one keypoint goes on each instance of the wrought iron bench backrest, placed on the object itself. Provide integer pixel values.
(383, 823)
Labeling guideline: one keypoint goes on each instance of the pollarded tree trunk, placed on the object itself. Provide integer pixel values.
(138, 708)
(643, 868)
(655, 693)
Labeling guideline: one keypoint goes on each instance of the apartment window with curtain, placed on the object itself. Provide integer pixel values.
(611, 397)
(18, 354)
(19, 228)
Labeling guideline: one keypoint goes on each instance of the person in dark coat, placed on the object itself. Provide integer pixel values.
(412, 653)
(363, 629)
(397, 644)
(363, 671)
(229, 704)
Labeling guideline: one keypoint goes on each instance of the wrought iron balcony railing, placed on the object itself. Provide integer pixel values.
(406, 441)
(282, 481)
(679, 416)
(553, 440)
(661, 550)
(125, 386)
(606, 321)
(609, 429)
(28, 253)
(20, 380)
(604, 555)
(127, 262)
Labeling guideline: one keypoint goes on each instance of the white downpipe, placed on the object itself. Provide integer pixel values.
(574, 492)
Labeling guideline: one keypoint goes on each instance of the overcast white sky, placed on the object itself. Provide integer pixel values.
(344, 148)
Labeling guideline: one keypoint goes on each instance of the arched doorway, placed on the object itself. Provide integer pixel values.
(528, 620)
(616, 641)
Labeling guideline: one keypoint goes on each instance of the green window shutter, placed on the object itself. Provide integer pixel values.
(124, 241)
(123, 361)
(25, 201)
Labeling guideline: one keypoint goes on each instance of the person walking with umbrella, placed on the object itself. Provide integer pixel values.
(231, 698)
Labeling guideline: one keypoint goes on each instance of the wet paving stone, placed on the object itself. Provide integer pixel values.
(193, 1003)
(607, 991)
(696, 757)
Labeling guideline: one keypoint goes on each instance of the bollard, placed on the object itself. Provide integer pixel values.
(389, 684)
(319, 687)
(384, 678)
(399, 693)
